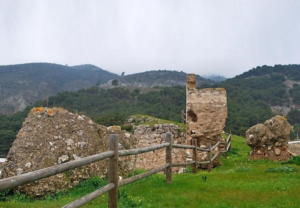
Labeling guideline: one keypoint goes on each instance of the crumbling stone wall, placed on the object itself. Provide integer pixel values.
(270, 139)
(206, 111)
(52, 136)
(155, 135)
(206, 114)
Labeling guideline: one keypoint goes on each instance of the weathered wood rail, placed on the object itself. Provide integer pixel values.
(113, 154)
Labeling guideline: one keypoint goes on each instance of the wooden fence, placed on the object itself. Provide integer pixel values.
(113, 154)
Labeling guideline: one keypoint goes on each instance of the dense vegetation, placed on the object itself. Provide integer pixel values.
(26, 83)
(237, 183)
(290, 71)
(158, 78)
(276, 86)
(9, 127)
(250, 96)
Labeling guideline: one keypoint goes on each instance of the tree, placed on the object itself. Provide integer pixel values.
(115, 82)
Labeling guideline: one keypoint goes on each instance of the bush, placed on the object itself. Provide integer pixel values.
(281, 169)
(127, 128)
(294, 160)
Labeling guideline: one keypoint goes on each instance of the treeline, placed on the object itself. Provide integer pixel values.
(249, 96)
(112, 106)
(9, 127)
(106, 107)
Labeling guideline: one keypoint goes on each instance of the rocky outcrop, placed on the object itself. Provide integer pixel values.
(270, 139)
(51, 136)
(155, 135)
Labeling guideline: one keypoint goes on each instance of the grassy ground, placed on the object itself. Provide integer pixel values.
(237, 183)
(151, 121)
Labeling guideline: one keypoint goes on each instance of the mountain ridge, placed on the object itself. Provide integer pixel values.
(23, 84)
(154, 78)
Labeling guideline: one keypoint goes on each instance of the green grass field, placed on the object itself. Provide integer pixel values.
(237, 183)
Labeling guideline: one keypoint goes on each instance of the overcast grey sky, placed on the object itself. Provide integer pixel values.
(224, 37)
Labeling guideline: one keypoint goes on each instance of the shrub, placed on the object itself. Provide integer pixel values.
(242, 167)
(294, 160)
(127, 128)
(281, 169)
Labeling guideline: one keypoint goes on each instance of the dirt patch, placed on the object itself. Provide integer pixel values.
(258, 155)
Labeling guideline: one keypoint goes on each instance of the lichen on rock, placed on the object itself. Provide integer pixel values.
(51, 136)
(270, 139)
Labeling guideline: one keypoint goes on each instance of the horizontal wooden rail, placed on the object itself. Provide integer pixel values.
(215, 156)
(216, 145)
(143, 175)
(228, 138)
(14, 181)
(203, 149)
(183, 146)
(89, 197)
(113, 154)
(203, 162)
(183, 164)
(142, 150)
(229, 146)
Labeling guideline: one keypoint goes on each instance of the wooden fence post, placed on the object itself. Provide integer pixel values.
(169, 158)
(209, 157)
(230, 141)
(194, 143)
(113, 171)
(225, 147)
(182, 116)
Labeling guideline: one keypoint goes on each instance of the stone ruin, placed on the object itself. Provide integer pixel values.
(270, 139)
(155, 135)
(51, 136)
(206, 114)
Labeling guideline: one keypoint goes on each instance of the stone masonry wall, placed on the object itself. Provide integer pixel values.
(206, 111)
(150, 136)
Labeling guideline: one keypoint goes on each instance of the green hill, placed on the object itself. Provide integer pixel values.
(150, 79)
(21, 85)
(253, 97)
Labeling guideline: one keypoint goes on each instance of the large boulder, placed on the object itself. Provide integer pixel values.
(51, 136)
(270, 139)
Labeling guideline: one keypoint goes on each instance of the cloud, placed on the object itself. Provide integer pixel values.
(203, 37)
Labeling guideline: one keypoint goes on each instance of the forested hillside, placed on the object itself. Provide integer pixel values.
(264, 91)
(21, 85)
(251, 98)
(149, 79)
(106, 107)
